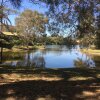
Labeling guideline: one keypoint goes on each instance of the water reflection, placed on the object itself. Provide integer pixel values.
(96, 60)
(28, 59)
(80, 63)
(52, 57)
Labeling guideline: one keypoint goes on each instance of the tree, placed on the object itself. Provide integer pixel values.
(5, 41)
(78, 15)
(30, 24)
(55, 35)
(98, 32)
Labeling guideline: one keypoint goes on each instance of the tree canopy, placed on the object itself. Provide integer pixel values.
(80, 16)
(29, 24)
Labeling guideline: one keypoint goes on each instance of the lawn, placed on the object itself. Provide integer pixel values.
(49, 84)
(91, 52)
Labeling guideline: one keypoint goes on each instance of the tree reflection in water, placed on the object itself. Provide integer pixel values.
(96, 59)
(51, 57)
(80, 62)
(24, 59)
(39, 61)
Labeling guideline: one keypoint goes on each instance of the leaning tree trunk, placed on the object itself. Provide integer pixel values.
(1, 22)
(1, 52)
(98, 40)
(1, 55)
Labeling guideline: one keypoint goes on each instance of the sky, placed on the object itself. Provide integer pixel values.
(28, 5)
(41, 8)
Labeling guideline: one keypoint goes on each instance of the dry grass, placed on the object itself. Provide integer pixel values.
(49, 84)
(91, 52)
(23, 48)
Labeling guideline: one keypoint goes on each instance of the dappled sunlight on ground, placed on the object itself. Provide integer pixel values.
(80, 78)
(90, 95)
(8, 78)
(43, 90)
(49, 84)
(98, 75)
(48, 97)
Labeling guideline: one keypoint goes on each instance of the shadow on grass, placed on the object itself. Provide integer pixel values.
(71, 86)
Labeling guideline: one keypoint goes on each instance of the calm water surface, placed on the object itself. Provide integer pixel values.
(52, 57)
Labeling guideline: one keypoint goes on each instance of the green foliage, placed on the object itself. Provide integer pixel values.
(6, 41)
(81, 17)
(98, 33)
(30, 24)
(78, 15)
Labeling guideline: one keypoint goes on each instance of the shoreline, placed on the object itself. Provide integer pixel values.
(94, 52)
(23, 48)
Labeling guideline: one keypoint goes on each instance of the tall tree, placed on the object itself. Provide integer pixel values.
(29, 24)
(76, 14)
(98, 32)
(5, 42)
(80, 14)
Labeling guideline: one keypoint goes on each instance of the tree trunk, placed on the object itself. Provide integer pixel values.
(1, 27)
(98, 40)
(1, 55)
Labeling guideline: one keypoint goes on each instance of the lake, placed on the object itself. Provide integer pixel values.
(53, 56)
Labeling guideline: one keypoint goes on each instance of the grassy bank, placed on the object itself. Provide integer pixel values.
(90, 51)
(49, 84)
(24, 48)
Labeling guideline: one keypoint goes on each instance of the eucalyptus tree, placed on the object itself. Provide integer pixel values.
(77, 15)
(30, 24)
(5, 41)
(98, 32)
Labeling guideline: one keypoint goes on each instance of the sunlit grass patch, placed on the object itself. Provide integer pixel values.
(80, 78)
(90, 51)
(98, 75)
